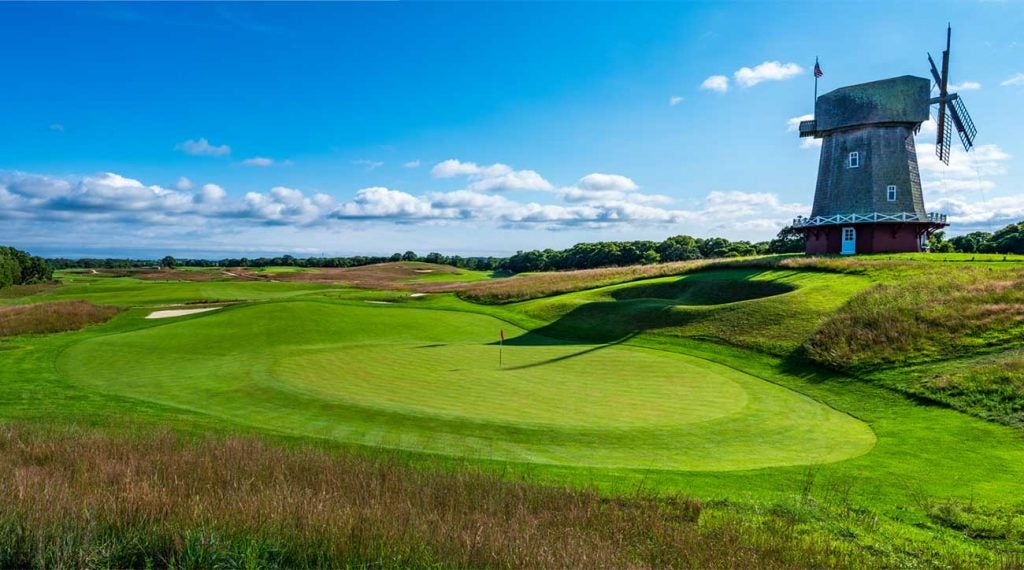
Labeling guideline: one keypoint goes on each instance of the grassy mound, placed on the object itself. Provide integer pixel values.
(926, 317)
(704, 291)
(51, 317)
(429, 381)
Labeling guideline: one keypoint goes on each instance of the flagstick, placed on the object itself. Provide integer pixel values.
(501, 345)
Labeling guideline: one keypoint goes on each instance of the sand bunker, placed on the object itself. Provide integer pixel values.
(178, 313)
(380, 302)
(418, 295)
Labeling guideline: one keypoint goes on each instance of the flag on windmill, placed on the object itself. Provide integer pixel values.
(817, 69)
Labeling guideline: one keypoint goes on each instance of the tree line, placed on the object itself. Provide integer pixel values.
(1009, 239)
(579, 256)
(20, 268)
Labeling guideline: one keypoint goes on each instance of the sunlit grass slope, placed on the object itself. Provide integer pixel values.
(429, 381)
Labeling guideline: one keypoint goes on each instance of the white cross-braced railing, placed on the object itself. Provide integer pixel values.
(802, 222)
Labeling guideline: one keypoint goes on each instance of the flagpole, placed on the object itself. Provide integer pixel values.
(815, 84)
(501, 346)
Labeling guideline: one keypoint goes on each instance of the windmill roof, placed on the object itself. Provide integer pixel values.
(897, 100)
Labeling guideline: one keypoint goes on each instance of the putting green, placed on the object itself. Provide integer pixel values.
(429, 381)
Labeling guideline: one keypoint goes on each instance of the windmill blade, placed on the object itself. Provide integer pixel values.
(944, 136)
(964, 125)
(935, 72)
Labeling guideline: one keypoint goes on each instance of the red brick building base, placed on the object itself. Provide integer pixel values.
(870, 237)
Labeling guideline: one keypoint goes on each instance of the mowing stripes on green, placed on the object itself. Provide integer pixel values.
(428, 380)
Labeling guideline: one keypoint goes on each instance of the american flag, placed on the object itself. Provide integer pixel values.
(817, 70)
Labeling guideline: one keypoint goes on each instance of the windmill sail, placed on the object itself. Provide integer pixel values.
(964, 125)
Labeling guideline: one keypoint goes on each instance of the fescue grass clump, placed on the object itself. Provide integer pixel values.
(74, 500)
(51, 317)
(930, 316)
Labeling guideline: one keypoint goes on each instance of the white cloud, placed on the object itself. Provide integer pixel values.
(209, 194)
(1015, 79)
(493, 178)
(596, 201)
(412, 164)
(524, 180)
(966, 171)
(987, 215)
(767, 71)
(183, 184)
(258, 161)
(368, 164)
(452, 167)
(965, 86)
(57, 127)
(202, 147)
(599, 181)
(674, 100)
(719, 83)
(381, 202)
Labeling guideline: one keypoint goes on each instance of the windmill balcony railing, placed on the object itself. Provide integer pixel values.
(802, 222)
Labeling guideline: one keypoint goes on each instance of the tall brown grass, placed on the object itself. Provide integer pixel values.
(928, 316)
(51, 317)
(538, 285)
(78, 500)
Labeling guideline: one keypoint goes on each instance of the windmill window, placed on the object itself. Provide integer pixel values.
(854, 159)
(890, 193)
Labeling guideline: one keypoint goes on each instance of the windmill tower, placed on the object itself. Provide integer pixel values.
(868, 197)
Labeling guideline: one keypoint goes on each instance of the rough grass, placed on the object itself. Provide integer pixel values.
(91, 501)
(929, 316)
(536, 285)
(51, 317)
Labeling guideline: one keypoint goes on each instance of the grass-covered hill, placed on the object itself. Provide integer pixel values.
(759, 412)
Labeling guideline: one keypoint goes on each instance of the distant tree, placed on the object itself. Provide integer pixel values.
(974, 242)
(434, 257)
(788, 240)
(410, 256)
(395, 257)
(169, 262)
(678, 248)
(1009, 239)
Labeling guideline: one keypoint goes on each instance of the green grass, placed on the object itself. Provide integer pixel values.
(694, 383)
(427, 381)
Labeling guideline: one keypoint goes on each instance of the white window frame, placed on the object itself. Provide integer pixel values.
(853, 161)
(890, 192)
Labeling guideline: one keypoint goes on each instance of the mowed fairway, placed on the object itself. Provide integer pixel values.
(429, 381)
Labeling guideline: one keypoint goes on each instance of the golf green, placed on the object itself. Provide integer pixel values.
(429, 381)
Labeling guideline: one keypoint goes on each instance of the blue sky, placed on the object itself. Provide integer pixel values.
(350, 128)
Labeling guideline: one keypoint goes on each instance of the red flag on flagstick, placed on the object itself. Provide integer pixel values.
(502, 332)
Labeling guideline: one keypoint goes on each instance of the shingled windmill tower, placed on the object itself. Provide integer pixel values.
(868, 197)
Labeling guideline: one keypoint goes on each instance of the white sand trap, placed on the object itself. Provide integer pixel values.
(380, 302)
(178, 313)
(418, 295)
(423, 270)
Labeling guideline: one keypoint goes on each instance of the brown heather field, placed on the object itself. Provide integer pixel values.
(72, 500)
(51, 317)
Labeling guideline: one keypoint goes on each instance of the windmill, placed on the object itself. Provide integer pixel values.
(951, 109)
(868, 196)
